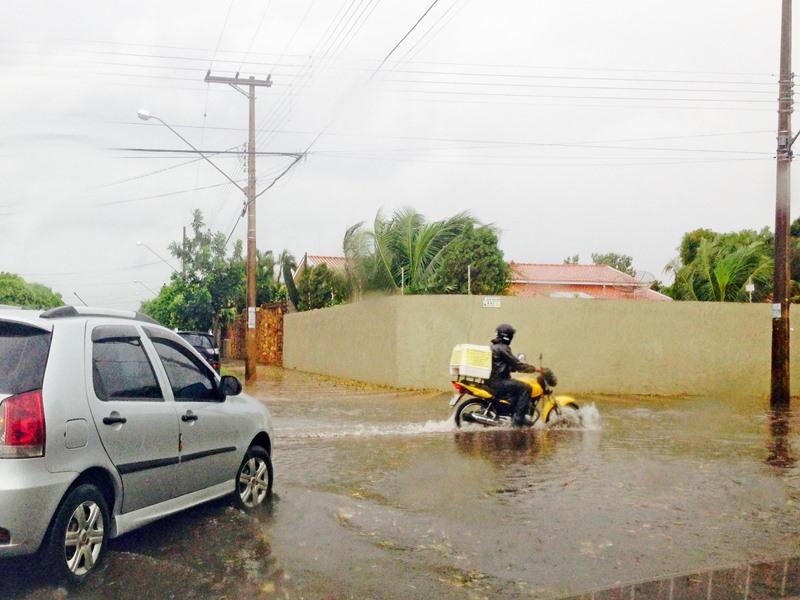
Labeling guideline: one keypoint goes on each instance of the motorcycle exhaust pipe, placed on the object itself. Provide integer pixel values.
(481, 419)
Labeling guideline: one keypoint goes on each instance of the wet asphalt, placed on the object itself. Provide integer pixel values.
(378, 495)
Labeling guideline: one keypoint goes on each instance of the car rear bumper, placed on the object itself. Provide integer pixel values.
(29, 495)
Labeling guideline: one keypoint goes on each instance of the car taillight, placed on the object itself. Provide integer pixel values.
(22, 431)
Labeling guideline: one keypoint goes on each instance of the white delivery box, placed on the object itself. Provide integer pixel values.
(471, 361)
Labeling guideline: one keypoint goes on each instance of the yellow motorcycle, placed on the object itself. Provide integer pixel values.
(475, 403)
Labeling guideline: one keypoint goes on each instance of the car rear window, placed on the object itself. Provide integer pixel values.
(198, 340)
(23, 357)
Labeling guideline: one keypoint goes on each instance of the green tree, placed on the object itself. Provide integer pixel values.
(288, 265)
(210, 288)
(572, 260)
(15, 291)
(319, 287)
(472, 263)
(620, 262)
(403, 251)
(722, 265)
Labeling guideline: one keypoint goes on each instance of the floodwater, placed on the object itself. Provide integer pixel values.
(379, 495)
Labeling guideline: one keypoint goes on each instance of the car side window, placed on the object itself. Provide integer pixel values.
(189, 378)
(120, 367)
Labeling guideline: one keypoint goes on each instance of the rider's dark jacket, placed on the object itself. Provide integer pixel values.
(504, 362)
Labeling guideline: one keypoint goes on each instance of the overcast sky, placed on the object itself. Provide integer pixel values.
(574, 126)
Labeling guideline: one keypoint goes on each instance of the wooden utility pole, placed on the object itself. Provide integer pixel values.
(781, 388)
(250, 335)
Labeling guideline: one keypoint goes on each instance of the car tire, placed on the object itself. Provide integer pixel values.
(78, 536)
(253, 479)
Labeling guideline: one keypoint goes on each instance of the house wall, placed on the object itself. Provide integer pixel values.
(601, 346)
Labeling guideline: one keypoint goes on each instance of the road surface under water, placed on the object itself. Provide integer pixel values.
(379, 495)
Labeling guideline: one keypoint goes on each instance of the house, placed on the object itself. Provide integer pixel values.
(554, 281)
(334, 263)
(579, 281)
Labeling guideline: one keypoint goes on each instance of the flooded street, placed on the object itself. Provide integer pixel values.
(378, 495)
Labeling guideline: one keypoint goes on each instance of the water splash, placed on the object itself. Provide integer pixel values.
(376, 430)
(586, 418)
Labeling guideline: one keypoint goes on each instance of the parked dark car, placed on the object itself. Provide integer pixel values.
(205, 344)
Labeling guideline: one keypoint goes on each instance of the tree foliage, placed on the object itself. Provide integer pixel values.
(15, 291)
(211, 286)
(406, 252)
(472, 264)
(718, 266)
(620, 262)
(288, 265)
(319, 287)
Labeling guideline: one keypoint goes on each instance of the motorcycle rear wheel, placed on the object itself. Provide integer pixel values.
(466, 408)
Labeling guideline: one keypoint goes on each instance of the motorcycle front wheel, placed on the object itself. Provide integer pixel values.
(566, 410)
(465, 410)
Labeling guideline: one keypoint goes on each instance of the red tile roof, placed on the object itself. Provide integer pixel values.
(597, 281)
(332, 262)
(529, 280)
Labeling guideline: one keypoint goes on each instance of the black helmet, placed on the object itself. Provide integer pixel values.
(506, 332)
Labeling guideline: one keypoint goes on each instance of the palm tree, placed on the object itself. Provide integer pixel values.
(720, 273)
(288, 264)
(401, 252)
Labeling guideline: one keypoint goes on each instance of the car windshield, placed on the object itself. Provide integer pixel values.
(23, 357)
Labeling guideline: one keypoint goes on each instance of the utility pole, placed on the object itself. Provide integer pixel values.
(781, 388)
(250, 335)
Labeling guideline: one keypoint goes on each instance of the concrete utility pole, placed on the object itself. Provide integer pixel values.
(781, 388)
(250, 336)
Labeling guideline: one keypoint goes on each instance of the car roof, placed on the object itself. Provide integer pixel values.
(46, 319)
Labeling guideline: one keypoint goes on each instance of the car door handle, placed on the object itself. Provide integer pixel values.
(189, 417)
(114, 420)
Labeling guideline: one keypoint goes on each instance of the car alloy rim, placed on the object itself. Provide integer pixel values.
(253, 482)
(84, 538)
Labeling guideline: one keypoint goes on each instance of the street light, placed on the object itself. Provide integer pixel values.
(145, 115)
(138, 243)
(145, 287)
(79, 298)
(250, 349)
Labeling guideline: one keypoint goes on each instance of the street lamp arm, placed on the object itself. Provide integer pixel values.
(145, 115)
(139, 243)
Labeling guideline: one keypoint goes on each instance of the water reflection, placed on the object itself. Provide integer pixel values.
(502, 446)
(778, 442)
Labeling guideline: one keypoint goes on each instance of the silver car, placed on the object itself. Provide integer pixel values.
(109, 421)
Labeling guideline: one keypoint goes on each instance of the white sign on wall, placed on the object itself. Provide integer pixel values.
(491, 302)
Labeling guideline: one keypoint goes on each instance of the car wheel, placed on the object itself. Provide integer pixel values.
(254, 479)
(79, 534)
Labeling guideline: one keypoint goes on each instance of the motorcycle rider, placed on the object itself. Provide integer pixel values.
(500, 382)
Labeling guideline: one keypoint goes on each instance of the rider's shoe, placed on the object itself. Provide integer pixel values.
(525, 422)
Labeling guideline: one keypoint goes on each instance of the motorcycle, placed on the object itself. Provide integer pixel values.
(475, 403)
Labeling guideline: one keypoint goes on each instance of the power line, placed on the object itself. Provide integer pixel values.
(397, 45)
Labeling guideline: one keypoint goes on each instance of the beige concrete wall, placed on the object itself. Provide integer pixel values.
(602, 346)
(354, 341)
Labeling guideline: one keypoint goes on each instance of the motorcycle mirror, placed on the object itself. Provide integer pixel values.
(521, 356)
